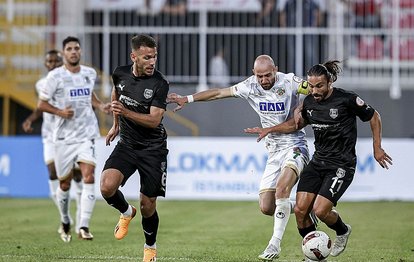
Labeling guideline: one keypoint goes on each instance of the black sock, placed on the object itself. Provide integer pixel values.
(150, 226)
(304, 231)
(118, 201)
(339, 227)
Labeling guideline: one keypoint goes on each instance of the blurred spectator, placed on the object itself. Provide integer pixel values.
(266, 17)
(175, 7)
(313, 15)
(366, 14)
(171, 7)
(218, 70)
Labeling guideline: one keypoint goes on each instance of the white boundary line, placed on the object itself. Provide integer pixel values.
(99, 258)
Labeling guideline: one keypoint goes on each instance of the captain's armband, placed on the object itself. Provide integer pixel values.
(303, 88)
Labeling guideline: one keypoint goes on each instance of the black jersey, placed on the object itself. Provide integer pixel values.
(139, 94)
(334, 124)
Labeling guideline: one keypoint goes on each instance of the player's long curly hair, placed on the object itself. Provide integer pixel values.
(330, 69)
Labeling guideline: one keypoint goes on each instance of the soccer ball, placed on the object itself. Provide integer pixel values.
(316, 245)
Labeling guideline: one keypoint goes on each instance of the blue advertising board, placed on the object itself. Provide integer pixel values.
(23, 172)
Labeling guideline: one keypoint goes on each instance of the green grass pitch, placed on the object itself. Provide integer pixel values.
(199, 231)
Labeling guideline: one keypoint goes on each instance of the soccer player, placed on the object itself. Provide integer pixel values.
(138, 106)
(332, 113)
(53, 59)
(274, 96)
(68, 95)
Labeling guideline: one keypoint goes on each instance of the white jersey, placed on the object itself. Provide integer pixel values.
(47, 124)
(72, 89)
(274, 106)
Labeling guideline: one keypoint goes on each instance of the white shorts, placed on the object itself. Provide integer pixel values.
(48, 152)
(67, 156)
(295, 158)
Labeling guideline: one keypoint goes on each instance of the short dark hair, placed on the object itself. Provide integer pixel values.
(142, 40)
(53, 52)
(70, 39)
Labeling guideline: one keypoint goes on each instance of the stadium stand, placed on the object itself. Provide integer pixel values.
(189, 37)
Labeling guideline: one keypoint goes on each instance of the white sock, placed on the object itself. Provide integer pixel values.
(78, 195)
(53, 185)
(292, 206)
(63, 204)
(281, 218)
(87, 204)
(153, 246)
(128, 213)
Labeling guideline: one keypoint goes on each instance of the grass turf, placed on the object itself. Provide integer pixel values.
(199, 231)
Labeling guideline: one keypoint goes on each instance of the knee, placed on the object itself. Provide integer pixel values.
(148, 207)
(300, 212)
(65, 185)
(283, 191)
(110, 182)
(267, 210)
(107, 190)
(321, 213)
(89, 178)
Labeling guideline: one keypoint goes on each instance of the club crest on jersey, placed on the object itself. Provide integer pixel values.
(148, 93)
(340, 173)
(280, 91)
(333, 113)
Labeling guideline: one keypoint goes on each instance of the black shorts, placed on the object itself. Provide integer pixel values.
(150, 163)
(329, 182)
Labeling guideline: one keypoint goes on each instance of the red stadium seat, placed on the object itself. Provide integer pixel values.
(407, 20)
(406, 3)
(370, 47)
(406, 49)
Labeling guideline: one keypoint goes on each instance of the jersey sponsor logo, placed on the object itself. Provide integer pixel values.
(333, 113)
(79, 92)
(148, 93)
(128, 101)
(272, 107)
(324, 126)
(359, 101)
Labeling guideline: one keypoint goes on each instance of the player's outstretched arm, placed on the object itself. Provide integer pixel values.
(27, 123)
(97, 103)
(286, 127)
(207, 95)
(379, 154)
(114, 131)
(66, 113)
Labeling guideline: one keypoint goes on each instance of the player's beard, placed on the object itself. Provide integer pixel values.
(74, 62)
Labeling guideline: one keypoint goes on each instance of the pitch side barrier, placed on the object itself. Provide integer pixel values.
(210, 168)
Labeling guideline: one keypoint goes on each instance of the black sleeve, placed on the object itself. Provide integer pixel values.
(360, 108)
(160, 98)
(303, 112)
(115, 79)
